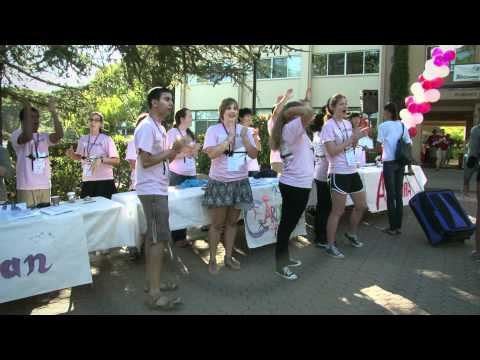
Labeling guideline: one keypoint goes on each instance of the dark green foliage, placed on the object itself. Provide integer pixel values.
(399, 76)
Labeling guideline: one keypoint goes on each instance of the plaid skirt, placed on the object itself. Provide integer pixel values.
(235, 193)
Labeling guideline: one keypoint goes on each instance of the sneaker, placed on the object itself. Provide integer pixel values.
(294, 263)
(354, 240)
(286, 273)
(334, 252)
(475, 255)
(322, 245)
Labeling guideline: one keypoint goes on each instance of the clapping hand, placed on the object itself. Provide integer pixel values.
(183, 145)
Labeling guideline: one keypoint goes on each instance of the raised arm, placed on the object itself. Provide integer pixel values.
(27, 124)
(281, 101)
(57, 125)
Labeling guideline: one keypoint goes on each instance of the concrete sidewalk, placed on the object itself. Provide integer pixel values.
(389, 275)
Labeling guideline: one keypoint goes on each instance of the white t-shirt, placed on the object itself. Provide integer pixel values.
(389, 132)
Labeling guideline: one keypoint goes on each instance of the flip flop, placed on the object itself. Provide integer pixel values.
(169, 305)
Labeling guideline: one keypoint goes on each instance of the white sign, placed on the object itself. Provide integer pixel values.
(469, 72)
(42, 256)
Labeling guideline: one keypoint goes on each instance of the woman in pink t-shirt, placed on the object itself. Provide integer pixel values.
(183, 167)
(228, 190)
(98, 154)
(245, 119)
(340, 139)
(290, 137)
(131, 154)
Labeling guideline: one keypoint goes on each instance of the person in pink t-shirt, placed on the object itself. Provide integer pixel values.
(131, 153)
(152, 190)
(245, 119)
(228, 190)
(31, 147)
(340, 139)
(290, 137)
(98, 154)
(183, 167)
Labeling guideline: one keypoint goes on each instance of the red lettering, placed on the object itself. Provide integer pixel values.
(380, 190)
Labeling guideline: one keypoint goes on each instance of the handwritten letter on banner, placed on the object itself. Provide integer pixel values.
(42, 255)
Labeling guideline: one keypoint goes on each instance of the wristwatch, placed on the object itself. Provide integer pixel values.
(101, 159)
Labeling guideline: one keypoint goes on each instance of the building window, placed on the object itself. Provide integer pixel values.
(279, 67)
(336, 64)
(202, 119)
(465, 55)
(346, 63)
(355, 63)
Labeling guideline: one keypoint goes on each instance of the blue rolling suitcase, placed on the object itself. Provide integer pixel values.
(441, 216)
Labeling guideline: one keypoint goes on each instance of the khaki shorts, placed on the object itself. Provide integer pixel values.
(156, 212)
(277, 167)
(33, 197)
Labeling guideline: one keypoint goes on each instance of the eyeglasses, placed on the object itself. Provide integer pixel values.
(96, 120)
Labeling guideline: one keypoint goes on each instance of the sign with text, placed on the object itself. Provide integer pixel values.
(39, 255)
(467, 72)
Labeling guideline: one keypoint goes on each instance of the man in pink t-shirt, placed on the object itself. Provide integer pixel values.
(31, 147)
(152, 190)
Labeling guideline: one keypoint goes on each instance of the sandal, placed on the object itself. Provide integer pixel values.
(161, 302)
(212, 268)
(167, 286)
(232, 263)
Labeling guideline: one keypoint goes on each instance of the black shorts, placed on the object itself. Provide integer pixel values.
(345, 183)
(105, 188)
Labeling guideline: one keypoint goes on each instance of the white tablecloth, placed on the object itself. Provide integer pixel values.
(372, 178)
(186, 210)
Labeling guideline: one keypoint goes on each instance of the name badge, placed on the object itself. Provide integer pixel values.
(87, 169)
(237, 161)
(350, 155)
(38, 166)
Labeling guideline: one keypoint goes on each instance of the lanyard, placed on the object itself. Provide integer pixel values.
(346, 133)
(160, 131)
(36, 144)
(230, 152)
(184, 159)
(89, 147)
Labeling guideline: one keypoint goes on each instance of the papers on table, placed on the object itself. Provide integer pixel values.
(56, 210)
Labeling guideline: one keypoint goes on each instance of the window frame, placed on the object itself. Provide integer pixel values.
(363, 51)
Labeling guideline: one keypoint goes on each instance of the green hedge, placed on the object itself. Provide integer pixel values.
(67, 174)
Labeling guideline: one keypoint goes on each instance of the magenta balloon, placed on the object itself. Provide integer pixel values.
(449, 55)
(437, 83)
(412, 107)
(436, 51)
(427, 85)
(409, 100)
(438, 60)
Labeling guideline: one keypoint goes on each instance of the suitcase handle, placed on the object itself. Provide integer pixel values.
(416, 179)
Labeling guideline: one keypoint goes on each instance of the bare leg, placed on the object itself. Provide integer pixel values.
(231, 230)
(360, 205)
(155, 264)
(338, 208)
(219, 215)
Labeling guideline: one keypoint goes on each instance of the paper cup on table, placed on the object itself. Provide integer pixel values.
(71, 197)
(55, 200)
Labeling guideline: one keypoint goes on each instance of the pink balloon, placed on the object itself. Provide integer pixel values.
(449, 55)
(424, 108)
(436, 51)
(408, 100)
(412, 107)
(417, 118)
(409, 122)
(420, 78)
(432, 95)
(427, 85)
(437, 83)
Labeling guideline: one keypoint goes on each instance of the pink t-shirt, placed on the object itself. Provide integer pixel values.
(298, 159)
(252, 164)
(185, 166)
(151, 137)
(274, 154)
(216, 134)
(337, 132)
(94, 147)
(131, 154)
(30, 175)
(321, 163)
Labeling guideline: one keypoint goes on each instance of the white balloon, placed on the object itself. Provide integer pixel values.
(419, 98)
(432, 95)
(405, 114)
(429, 75)
(430, 66)
(442, 71)
(417, 118)
(416, 88)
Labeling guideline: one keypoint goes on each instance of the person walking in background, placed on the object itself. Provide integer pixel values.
(390, 131)
(473, 153)
(98, 154)
(290, 137)
(442, 149)
(33, 164)
(183, 167)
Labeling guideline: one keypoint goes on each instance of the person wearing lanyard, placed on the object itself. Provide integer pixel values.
(339, 140)
(131, 153)
(31, 147)
(183, 167)
(245, 119)
(228, 190)
(98, 154)
(324, 199)
(290, 137)
(152, 190)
